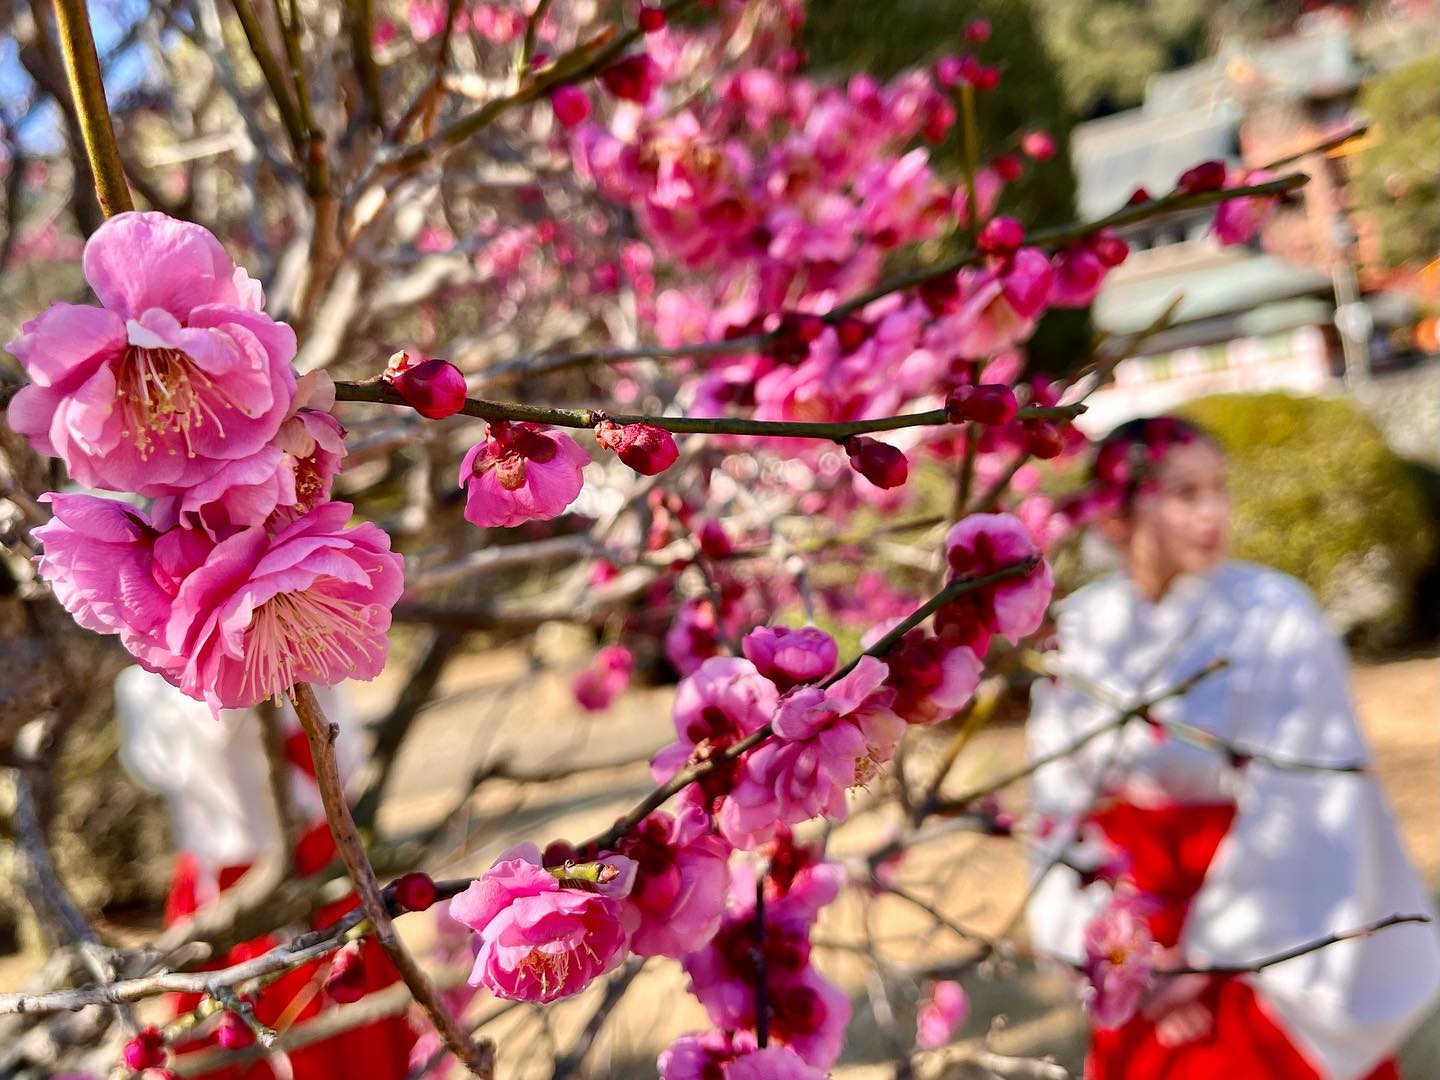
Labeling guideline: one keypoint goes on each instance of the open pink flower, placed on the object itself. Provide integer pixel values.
(932, 678)
(605, 679)
(261, 613)
(682, 871)
(541, 940)
(702, 1055)
(1014, 607)
(99, 561)
(522, 472)
(772, 1063)
(826, 742)
(1120, 958)
(941, 1014)
(788, 657)
(178, 370)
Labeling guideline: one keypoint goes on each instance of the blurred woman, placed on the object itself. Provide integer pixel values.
(1235, 857)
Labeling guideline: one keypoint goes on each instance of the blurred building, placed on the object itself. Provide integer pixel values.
(1306, 305)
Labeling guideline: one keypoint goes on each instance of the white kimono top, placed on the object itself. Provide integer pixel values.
(1308, 854)
(213, 773)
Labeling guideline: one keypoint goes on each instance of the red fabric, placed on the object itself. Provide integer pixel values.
(379, 1051)
(1169, 850)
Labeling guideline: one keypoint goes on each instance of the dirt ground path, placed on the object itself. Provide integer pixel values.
(499, 708)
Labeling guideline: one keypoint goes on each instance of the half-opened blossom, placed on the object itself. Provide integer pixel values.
(939, 1016)
(1237, 220)
(541, 939)
(825, 742)
(260, 612)
(605, 679)
(521, 472)
(1013, 607)
(788, 656)
(681, 876)
(1120, 958)
(932, 678)
(177, 371)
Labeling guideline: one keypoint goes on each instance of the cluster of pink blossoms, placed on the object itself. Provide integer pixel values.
(242, 578)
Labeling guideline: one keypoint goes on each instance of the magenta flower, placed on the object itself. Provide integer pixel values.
(682, 872)
(541, 940)
(1237, 220)
(826, 742)
(789, 657)
(702, 1055)
(1079, 273)
(694, 635)
(980, 545)
(772, 1063)
(433, 388)
(1120, 958)
(521, 472)
(941, 1014)
(722, 702)
(176, 373)
(932, 678)
(604, 680)
(260, 613)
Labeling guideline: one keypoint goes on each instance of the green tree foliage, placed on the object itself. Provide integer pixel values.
(1397, 181)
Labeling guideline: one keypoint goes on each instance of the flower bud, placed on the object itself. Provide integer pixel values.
(415, 892)
(987, 78)
(1207, 176)
(644, 447)
(433, 388)
(1001, 236)
(989, 403)
(571, 105)
(1109, 248)
(940, 294)
(346, 981)
(632, 79)
(882, 464)
(978, 32)
(651, 19)
(233, 1033)
(1008, 167)
(949, 70)
(1044, 439)
(714, 541)
(1038, 145)
(146, 1050)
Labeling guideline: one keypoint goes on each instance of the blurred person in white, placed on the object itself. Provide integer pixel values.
(1236, 859)
(215, 777)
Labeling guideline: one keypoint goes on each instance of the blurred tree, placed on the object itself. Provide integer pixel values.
(1397, 180)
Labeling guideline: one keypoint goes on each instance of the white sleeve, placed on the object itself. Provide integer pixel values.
(1312, 853)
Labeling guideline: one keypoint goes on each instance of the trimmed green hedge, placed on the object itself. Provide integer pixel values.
(1319, 495)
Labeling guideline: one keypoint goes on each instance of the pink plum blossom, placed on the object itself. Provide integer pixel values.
(932, 678)
(789, 657)
(682, 870)
(539, 939)
(1079, 273)
(826, 741)
(1237, 220)
(982, 544)
(702, 1055)
(521, 472)
(605, 679)
(260, 613)
(1120, 958)
(177, 372)
(772, 1063)
(939, 1016)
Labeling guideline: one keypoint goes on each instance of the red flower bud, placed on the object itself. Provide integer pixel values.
(145, 1050)
(1008, 167)
(571, 105)
(949, 70)
(346, 981)
(989, 403)
(632, 79)
(652, 19)
(714, 541)
(415, 892)
(644, 447)
(880, 463)
(852, 333)
(1139, 197)
(1109, 248)
(233, 1033)
(987, 78)
(1039, 145)
(978, 32)
(802, 325)
(940, 293)
(1207, 176)
(1044, 439)
(968, 69)
(1001, 236)
(433, 388)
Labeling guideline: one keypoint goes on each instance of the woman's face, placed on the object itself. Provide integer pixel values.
(1180, 523)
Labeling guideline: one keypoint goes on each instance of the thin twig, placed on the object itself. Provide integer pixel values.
(82, 67)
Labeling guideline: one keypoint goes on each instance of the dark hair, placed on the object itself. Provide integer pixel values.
(1126, 459)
